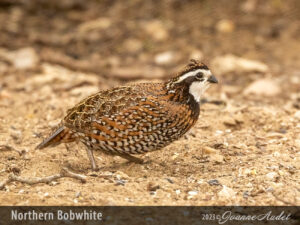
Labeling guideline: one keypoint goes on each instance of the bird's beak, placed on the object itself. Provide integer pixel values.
(212, 79)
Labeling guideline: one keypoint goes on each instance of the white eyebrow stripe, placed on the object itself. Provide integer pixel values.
(192, 73)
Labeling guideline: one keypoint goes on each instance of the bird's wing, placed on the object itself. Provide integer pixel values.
(94, 107)
(107, 104)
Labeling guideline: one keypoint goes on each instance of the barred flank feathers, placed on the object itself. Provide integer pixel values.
(61, 135)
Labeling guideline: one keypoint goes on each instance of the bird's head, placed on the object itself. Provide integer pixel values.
(195, 78)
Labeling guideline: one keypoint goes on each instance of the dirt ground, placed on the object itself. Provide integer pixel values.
(244, 151)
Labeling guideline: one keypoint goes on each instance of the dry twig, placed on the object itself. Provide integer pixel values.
(10, 148)
(63, 173)
(66, 173)
(3, 183)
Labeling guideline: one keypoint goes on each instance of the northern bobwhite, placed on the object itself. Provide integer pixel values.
(137, 118)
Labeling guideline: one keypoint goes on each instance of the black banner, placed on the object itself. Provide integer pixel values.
(138, 215)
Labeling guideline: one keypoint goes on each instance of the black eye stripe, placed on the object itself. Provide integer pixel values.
(189, 80)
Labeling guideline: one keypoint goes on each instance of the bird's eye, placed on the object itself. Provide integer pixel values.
(199, 75)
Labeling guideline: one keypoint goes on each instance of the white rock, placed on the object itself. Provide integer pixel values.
(164, 58)
(271, 176)
(209, 150)
(201, 181)
(218, 132)
(297, 115)
(16, 134)
(231, 63)
(77, 194)
(243, 172)
(193, 193)
(217, 158)
(263, 87)
(226, 192)
(25, 58)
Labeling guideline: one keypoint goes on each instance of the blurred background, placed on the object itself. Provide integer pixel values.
(148, 39)
(53, 53)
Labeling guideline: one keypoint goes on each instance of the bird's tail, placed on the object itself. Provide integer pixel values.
(61, 135)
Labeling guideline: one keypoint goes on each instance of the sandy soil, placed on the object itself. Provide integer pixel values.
(245, 151)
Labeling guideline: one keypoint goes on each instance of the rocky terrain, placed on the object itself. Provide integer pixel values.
(245, 147)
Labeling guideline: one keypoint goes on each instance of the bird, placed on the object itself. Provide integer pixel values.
(136, 118)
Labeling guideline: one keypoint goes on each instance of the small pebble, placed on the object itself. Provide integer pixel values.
(271, 176)
(225, 26)
(217, 158)
(229, 121)
(246, 194)
(226, 192)
(170, 181)
(24, 58)
(213, 182)
(164, 58)
(152, 187)
(78, 194)
(297, 115)
(153, 193)
(193, 193)
(120, 182)
(201, 181)
(219, 132)
(209, 150)
(269, 189)
(16, 135)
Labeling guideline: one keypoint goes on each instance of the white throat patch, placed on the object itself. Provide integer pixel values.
(197, 89)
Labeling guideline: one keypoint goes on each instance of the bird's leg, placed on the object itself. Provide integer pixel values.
(130, 158)
(92, 159)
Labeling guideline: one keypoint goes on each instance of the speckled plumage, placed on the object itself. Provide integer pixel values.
(132, 119)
